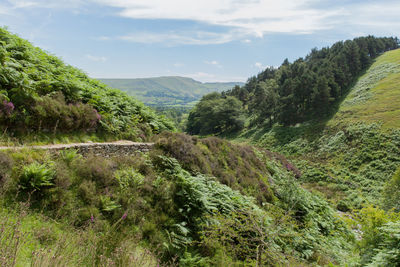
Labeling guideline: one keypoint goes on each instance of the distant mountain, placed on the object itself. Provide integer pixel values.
(168, 91)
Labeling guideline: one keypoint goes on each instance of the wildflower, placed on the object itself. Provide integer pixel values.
(91, 218)
(7, 108)
(97, 118)
(124, 216)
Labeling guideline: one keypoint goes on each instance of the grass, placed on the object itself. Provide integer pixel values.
(376, 96)
(59, 138)
(350, 156)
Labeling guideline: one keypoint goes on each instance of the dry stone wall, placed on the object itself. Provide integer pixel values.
(120, 148)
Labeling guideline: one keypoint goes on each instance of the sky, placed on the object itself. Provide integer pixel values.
(207, 40)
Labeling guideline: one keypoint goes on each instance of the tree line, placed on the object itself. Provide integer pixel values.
(306, 89)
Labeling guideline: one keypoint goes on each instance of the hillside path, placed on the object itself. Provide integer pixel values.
(121, 143)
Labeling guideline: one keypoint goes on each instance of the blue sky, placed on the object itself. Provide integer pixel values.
(208, 40)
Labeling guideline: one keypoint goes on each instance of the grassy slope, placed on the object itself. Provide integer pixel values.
(351, 156)
(168, 91)
(376, 96)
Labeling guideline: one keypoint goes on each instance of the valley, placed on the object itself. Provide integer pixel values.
(299, 166)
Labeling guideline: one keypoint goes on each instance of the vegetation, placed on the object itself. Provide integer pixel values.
(216, 114)
(167, 91)
(178, 115)
(351, 159)
(323, 192)
(39, 94)
(167, 207)
(307, 89)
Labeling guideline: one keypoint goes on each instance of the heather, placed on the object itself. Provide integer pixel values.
(159, 208)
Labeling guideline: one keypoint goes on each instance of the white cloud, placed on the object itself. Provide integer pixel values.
(179, 37)
(178, 65)
(208, 77)
(255, 17)
(214, 63)
(242, 20)
(65, 4)
(247, 19)
(259, 65)
(102, 38)
(96, 58)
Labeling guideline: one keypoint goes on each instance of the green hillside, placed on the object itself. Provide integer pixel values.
(42, 97)
(188, 202)
(319, 186)
(376, 96)
(185, 203)
(350, 156)
(168, 91)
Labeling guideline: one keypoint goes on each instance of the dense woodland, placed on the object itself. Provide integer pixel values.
(307, 89)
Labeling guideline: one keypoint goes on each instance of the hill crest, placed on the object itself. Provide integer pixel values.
(168, 90)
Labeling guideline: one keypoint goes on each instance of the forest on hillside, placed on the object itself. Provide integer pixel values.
(307, 89)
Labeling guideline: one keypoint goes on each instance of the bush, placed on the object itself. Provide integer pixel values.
(237, 166)
(392, 192)
(388, 252)
(36, 176)
(6, 164)
(97, 169)
(129, 178)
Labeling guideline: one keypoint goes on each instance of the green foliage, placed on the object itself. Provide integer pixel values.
(234, 165)
(310, 88)
(392, 192)
(388, 252)
(373, 221)
(129, 178)
(172, 201)
(6, 164)
(215, 114)
(178, 115)
(36, 176)
(42, 94)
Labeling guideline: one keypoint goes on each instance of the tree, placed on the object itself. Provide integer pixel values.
(265, 101)
(215, 114)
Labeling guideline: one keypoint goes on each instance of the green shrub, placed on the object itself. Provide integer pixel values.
(372, 219)
(237, 166)
(6, 164)
(70, 155)
(392, 192)
(388, 251)
(97, 169)
(129, 178)
(36, 176)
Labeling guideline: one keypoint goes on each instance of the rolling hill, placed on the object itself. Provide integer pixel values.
(40, 95)
(168, 91)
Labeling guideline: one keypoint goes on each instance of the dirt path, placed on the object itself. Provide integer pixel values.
(78, 145)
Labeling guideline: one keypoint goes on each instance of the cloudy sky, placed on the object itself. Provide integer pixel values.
(208, 40)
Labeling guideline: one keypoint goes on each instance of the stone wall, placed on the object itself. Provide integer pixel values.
(119, 148)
